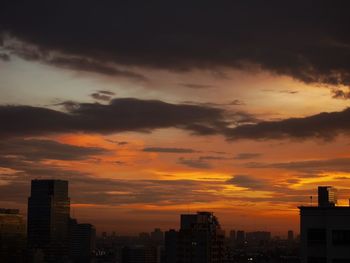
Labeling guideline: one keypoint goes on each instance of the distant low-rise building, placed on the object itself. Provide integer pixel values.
(12, 236)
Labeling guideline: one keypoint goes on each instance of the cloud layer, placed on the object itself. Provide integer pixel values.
(309, 42)
(129, 114)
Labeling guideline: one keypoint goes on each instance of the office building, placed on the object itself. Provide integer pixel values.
(48, 219)
(12, 236)
(200, 239)
(325, 230)
(170, 246)
(82, 242)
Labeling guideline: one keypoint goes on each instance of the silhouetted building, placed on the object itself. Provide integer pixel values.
(139, 254)
(170, 246)
(240, 237)
(200, 239)
(157, 236)
(258, 237)
(327, 196)
(12, 236)
(325, 230)
(290, 236)
(82, 242)
(48, 218)
(233, 235)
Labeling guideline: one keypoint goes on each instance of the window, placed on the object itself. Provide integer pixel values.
(316, 236)
(341, 237)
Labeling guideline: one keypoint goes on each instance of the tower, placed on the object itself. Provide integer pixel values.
(48, 219)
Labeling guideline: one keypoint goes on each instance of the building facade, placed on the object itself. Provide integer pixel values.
(48, 221)
(12, 236)
(200, 239)
(325, 230)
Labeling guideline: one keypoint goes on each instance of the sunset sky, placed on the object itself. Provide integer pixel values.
(153, 109)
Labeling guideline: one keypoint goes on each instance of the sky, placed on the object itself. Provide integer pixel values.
(155, 109)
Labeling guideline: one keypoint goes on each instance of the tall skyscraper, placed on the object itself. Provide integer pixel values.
(170, 246)
(48, 220)
(200, 239)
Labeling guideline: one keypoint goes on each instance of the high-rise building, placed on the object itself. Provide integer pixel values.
(82, 242)
(170, 246)
(325, 230)
(200, 239)
(48, 219)
(12, 236)
(327, 196)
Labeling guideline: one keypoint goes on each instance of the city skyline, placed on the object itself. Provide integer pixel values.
(155, 110)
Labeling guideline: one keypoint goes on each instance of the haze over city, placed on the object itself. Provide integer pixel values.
(152, 110)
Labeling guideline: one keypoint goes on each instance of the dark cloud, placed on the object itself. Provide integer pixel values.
(34, 53)
(340, 94)
(323, 125)
(39, 149)
(245, 156)
(282, 91)
(213, 158)
(118, 116)
(236, 103)
(311, 166)
(308, 41)
(103, 95)
(197, 86)
(106, 92)
(194, 163)
(247, 181)
(169, 150)
(146, 115)
(99, 96)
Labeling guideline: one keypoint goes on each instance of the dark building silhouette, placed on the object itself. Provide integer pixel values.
(48, 219)
(240, 237)
(258, 237)
(327, 196)
(290, 236)
(200, 239)
(170, 246)
(12, 236)
(325, 230)
(82, 242)
(139, 254)
(157, 236)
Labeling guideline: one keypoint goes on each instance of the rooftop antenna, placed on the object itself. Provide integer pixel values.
(310, 200)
